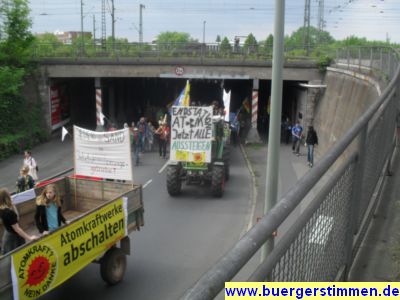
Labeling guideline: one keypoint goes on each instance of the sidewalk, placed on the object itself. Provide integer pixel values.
(379, 255)
(52, 157)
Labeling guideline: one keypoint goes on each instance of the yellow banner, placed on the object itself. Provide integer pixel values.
(312, 290)
(45, 264)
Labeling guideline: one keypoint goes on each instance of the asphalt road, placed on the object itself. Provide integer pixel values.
(182, 236)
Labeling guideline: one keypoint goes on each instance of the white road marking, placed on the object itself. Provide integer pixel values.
(163, 167)
(147, 183)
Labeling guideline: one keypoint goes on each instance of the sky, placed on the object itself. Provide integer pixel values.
(373, 19)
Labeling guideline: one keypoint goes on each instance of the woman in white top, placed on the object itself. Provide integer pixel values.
(31, 163)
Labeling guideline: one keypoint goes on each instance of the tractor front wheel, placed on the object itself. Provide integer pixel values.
(173, 180)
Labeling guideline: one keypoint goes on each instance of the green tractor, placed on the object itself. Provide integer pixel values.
(215, 172)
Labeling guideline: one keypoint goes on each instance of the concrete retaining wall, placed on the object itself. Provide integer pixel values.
(346, 97)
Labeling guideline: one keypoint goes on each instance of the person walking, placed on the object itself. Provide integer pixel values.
(13, 236)
(287, 130)
(31, 163)
(311, 141)
(136, 145)
(297, 132)
(163, 133)
(48, 216)
(25, 181)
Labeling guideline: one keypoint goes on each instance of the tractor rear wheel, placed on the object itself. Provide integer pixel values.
(173, 180)
(226, 163)
(218, 180)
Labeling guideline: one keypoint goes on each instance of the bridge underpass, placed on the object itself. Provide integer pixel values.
(127, 99)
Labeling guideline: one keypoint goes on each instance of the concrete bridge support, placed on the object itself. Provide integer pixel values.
(253, 135)
(314, 93)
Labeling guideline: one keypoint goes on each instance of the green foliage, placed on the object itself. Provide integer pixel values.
(324, 61)
(267, 45)
(250, 44)
(16, 48)
(296, 39)
(173, 40)
(225, 47)
(20, 122)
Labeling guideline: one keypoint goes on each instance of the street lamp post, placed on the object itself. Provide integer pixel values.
(271, 186)
(141, 7)
(204, 32)
(82, 38)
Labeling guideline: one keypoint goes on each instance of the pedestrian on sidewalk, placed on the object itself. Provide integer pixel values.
(311, 141)
(297, 131)
(13, 236)
(25, 181)
(32, 165)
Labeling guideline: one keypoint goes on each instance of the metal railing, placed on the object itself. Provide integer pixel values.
(171, 50)
(322, 242)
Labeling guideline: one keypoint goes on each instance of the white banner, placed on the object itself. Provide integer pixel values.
(23, 196)
(103, 154)
(227, 104)
(191, 133)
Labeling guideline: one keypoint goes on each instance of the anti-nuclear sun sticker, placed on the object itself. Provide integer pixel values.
(35, 271)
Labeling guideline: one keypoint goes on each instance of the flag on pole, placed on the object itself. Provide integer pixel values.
(184, 97)
(102, 117)
(227, 103)
(63, 133)
(246, 105)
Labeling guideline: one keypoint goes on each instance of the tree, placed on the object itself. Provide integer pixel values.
(225, 46)
(47, 44)
(171, 40)
(317, 38)
(19, 124)
(267, 45)
(218, 39)
(16, 48)
(250, 44)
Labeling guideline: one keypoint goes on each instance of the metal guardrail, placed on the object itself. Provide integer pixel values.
(170, 50)
(322, 242)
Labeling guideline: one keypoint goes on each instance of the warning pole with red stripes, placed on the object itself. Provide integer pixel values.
(99, 114)
(254, 108)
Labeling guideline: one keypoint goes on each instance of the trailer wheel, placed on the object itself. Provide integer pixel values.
(173, 180)
(113, 266)
(218, 181)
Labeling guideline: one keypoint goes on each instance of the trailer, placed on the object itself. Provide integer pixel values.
(101, 215)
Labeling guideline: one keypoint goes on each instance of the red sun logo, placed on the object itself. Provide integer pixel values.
(38, 270)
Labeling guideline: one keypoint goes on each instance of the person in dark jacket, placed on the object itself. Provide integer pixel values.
(311, 141)
(48, 214)
(25, 181)
(13, 236)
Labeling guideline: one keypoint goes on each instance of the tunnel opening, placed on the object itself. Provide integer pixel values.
(127, 99)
